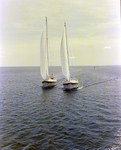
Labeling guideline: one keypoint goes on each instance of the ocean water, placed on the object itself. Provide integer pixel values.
(32, 118)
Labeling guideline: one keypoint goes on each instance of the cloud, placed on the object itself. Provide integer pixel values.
(107, 47)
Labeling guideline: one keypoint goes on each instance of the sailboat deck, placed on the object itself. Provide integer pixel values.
(70, 82)
(49, 81)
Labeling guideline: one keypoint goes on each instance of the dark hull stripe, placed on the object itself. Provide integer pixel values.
(48, 81)
(48, 87)
(69, 83)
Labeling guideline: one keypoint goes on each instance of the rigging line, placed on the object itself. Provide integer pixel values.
(47, 45)
(72, 56)
(67, 45)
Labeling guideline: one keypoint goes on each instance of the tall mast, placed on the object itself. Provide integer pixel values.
(67, 46)
(47, 43)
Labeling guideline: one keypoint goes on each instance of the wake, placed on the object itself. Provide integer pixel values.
(100, 82)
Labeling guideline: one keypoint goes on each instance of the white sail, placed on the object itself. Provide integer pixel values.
(64, 55)
(43, 57)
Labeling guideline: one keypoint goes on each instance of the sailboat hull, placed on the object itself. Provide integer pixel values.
(49, 83)
(70, 85)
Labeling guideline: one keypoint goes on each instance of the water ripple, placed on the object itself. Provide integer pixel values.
(34, 118)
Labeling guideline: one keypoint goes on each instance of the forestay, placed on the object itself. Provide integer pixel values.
(64, 56)
(43, 55)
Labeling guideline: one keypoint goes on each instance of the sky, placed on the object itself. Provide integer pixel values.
(93, 28)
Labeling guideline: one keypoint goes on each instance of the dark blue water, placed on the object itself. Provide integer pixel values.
(35, 119)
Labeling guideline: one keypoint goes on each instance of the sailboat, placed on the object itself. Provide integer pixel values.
(70, 83)
(48, 81)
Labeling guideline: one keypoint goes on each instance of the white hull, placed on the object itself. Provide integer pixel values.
(49, 83)
(70, 85)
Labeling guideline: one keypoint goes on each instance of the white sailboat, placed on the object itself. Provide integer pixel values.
(70, 83)
(48, 81)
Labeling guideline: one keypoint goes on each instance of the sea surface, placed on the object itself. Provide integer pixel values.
(32, 118)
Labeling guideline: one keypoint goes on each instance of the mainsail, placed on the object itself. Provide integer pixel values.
(64, 55)
(43, 57)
